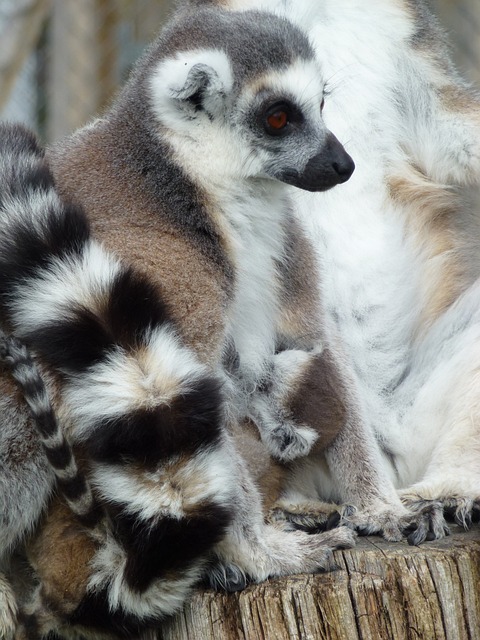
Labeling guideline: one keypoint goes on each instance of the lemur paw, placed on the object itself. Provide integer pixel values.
(429, 516)
(311, 517)
(330, 541)
(317, 550)
(383, 519)
(227, 577)
(289, 441)
(464, 511)
(8, 610)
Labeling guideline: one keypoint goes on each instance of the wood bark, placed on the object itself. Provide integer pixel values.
(381, 591)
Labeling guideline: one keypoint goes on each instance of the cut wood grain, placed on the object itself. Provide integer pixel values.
(381, 591)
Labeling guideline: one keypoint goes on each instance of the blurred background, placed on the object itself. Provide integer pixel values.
(62, 60)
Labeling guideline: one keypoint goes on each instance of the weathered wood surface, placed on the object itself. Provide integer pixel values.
(381, 591)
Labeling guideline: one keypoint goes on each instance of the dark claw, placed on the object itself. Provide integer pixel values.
(450, 513)
(227, 578)
(333, 521)
(476, 513)
(415, 538)
(409, 529)
(465, 522)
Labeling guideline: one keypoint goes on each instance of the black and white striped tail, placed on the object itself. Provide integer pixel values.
(71, 481)
(141, 404)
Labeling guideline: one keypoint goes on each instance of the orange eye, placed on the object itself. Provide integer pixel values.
(278, 120)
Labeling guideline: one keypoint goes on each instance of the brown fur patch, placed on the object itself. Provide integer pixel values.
(457, 99)
(268, 474)
(300, 309)
(430, 209)
(61, 555)
(128, 224)
(320, 399)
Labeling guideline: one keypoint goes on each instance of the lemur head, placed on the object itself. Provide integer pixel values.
(239, 95)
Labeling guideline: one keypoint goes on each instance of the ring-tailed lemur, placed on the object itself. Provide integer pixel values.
(399, 244)
(148, 422)
(235, 264)
(189, 176)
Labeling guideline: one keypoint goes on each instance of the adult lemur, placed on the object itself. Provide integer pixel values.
(195, 315)
(399, 244)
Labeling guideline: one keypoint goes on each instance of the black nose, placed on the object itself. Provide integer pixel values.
(330, 166)
(341, 162)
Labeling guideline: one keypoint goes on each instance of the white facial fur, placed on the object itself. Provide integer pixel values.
(170, 82)
(215, 143)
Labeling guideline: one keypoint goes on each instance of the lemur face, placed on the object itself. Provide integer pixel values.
(243, 117)
(281, 118)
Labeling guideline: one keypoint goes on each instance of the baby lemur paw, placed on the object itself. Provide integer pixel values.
(289, 441)
(330, 541)
(8, 610)
(317, 550)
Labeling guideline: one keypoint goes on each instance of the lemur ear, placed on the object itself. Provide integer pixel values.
(190, 83)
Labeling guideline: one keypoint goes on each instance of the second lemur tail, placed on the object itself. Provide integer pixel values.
(147, 413)
(71, 482)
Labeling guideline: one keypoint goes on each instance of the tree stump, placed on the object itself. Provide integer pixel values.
(381, 591)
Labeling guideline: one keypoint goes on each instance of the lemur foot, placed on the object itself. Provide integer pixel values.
(328, 542)
(227, 577)
(311, 517)
(432, 524)
(463, 511)
(289, 441)
(383, 519)
(8, 610)
(281, 553)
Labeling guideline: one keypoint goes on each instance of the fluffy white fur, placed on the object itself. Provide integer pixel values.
(176, 77)
(83, 280)
(151, 376)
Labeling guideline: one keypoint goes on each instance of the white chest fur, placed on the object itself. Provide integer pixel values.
(369, 269)
(257, 239)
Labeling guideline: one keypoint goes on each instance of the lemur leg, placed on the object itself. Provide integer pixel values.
(446, 415)
(451, 484)
(283, 434)
(254, 550)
